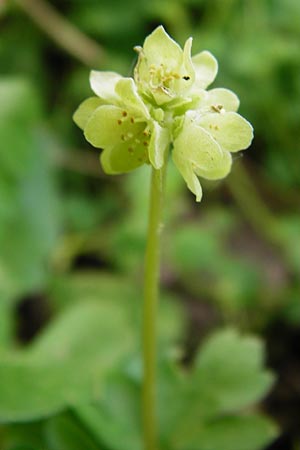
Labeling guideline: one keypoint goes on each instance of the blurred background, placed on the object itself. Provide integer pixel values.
(64, 225)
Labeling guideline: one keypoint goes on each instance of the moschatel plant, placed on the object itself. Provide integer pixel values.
(166, 110)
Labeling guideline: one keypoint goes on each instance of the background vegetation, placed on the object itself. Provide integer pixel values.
(69, 235)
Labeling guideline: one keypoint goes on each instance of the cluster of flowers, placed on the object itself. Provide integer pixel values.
(137, 120)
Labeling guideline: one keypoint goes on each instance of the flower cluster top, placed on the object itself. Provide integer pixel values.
(135, 120)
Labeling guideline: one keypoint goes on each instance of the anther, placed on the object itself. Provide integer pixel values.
(131, 119)
(119, 121)
(124, 113)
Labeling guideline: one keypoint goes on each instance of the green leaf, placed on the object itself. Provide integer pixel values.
(27, 191)
(250, 432)
(67, 363)
(116, 420)
(229, 373)
(64, 433)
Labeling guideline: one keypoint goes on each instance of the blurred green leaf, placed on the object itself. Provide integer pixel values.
(250, 432)
(66, 364)
(229, 372)
(28, 215)
(62, 432)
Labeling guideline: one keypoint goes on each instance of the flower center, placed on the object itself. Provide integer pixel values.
(163, 79)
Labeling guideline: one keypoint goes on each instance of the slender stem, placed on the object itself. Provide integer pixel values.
(151, 293)
(61, 31)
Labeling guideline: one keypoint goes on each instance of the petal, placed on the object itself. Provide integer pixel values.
(159, 49)
(187, 70)
(223, 98)
(206, 68)
(185, 168)
(230, 130)
(197, 146)
(104, 83)
(218, 171)
(85, 110)
(121, 158)
(127, 91)
(110, 125)
(159, 144)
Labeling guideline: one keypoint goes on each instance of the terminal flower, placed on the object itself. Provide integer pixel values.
(167, 104)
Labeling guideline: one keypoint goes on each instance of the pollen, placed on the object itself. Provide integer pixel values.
(119, 121)
(124, 113)
(132, 119)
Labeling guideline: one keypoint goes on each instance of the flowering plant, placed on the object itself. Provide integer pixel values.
(136, 120)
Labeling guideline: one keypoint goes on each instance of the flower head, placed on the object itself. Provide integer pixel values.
(135, 120)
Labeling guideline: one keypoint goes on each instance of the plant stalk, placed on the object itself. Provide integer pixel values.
(149, 320)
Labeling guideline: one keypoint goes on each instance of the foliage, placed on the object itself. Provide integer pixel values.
(74, 239)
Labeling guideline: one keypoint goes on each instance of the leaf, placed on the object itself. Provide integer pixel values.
(66, 365)
(23, 437)
(28, 214)
(63, 432)
(251, 432)
(228, 377)
(229, 373)
(116, 419)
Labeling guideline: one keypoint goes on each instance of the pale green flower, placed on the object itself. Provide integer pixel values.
(208, 136)
(168, 76)
(135, 121)
(119, 122)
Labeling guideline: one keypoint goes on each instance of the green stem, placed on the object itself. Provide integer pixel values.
(151, 294)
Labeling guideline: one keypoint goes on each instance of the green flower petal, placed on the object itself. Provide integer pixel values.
(164, 71)
(159, 49)
(127, 91)
(218, 171)
(196, 145)
(104, 83)
(122, 158)
(187, 71)
(206, 68)
(186, 170)
(158, 146)
(85, 110)
(222, 98)
(230, 130)
(111, 125)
